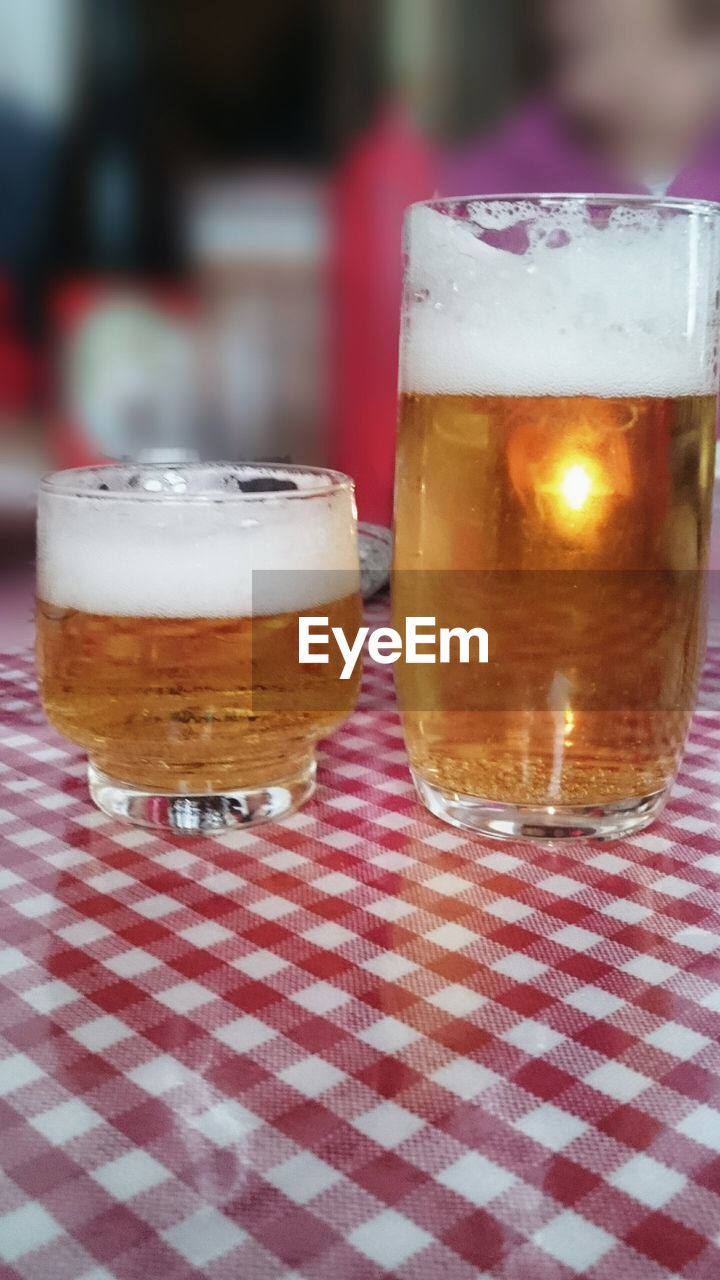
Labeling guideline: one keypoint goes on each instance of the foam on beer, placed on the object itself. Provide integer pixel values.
(218, 557)
(624, 309)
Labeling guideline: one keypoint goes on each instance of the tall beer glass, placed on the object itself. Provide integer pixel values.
(559, 377)
(168, 615)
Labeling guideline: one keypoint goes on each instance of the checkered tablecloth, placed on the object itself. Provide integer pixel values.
(357, 1044)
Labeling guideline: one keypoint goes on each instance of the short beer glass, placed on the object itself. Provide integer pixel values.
(169, 600)
(559, 377)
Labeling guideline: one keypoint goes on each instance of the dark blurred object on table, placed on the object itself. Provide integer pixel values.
(375, 558)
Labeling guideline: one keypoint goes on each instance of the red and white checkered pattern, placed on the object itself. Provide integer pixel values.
(357, 1044)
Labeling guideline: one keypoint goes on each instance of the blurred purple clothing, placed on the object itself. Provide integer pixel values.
(535, 152)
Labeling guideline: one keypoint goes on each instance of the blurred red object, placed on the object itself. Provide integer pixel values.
(17, 368)
(390, 168)
(17, 362)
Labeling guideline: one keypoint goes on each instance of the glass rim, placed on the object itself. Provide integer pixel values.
(68, 483)
(708, 208)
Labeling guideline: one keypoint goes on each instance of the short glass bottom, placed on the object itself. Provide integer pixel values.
(205, 814)
(537, 823)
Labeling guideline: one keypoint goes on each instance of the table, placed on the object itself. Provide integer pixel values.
(357, 1044)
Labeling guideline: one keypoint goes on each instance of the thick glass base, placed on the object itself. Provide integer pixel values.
(205, 814)
(541, 823)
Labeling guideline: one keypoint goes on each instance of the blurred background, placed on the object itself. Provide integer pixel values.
(201, 203)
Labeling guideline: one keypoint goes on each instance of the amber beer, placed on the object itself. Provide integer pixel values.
(508, 498)
(573, 527)
(191, 705)
(167, 631)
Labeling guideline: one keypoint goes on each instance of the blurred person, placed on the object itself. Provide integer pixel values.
(630, 103)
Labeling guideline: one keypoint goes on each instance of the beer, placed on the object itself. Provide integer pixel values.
(167, 627)
(582, 558)
(191, 704)
(554, 481)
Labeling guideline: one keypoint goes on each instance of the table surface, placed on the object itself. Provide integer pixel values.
(356, 1044)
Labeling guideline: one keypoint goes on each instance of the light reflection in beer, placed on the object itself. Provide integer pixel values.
(572, 467)
(576, 486)
(576, 495)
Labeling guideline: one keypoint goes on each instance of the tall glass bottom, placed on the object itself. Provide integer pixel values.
(204, 814)
(537, 823)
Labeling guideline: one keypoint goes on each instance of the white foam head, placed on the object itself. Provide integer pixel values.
(184, 542)
(564, 302)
